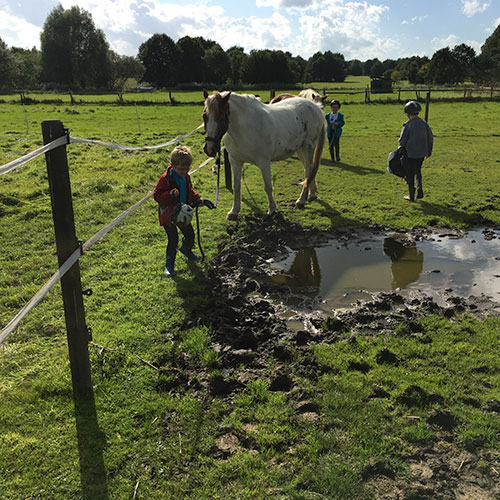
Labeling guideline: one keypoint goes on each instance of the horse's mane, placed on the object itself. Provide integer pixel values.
(245, 96)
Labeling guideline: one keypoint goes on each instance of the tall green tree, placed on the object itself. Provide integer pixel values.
(488, 70)
(355, 67)
(74, 52)
(297, 66)
(267, 66)
(191, 54)
(326, 67)
(6, 66)
(124, 68)
(237, 58)
(466, 56)
(216, 65)
(160, 57)
(377, 69)
(27, 67)
(445, 68)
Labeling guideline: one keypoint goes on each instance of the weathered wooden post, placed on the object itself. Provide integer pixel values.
(227, 171)
(427, 104)
(66, 243)
(272, 93)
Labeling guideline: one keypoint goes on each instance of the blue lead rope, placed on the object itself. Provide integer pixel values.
(216, 201)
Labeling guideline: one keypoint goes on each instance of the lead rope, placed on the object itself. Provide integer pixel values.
(217, 162)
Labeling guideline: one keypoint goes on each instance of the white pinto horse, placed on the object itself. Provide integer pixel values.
(259, 133)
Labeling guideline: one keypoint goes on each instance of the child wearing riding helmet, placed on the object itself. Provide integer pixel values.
(417, 140)
(335, 122)
(175, 196)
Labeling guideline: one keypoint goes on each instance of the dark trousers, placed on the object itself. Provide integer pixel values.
(334, 145)
(414, 167)
(173, 238)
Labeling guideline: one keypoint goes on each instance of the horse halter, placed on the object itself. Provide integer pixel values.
(221, 129)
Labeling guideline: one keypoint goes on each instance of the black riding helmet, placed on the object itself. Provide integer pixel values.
(412, 108)
(335, 102)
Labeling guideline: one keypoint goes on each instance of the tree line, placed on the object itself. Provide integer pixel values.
(75, 54)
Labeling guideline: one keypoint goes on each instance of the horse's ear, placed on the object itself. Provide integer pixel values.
(227, 96)
(205, 94)
(324, 98)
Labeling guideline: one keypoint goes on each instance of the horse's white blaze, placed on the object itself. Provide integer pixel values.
(259, 133)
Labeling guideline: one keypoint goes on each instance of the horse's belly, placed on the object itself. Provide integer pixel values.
(286, 148)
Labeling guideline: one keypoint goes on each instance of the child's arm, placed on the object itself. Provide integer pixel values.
(163, 193)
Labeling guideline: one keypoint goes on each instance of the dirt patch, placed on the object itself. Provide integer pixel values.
(248, 335)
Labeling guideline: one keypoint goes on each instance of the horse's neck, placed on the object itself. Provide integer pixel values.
(242, 109)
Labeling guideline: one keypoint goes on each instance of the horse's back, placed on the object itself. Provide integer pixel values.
(269, 132)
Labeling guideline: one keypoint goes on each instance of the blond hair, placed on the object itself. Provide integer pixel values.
(181, 155)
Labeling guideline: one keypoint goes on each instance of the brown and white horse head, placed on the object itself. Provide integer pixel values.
(216, 120)
(314, 96)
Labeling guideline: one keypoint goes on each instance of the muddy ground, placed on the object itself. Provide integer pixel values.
(248, 332)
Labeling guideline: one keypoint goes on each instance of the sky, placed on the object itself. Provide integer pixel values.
(386, 29)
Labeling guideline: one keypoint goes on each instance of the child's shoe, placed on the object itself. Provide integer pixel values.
(188, 252)
(169, 265)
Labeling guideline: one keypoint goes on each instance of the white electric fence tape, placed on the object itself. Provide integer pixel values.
(56, 277)
(8, 167)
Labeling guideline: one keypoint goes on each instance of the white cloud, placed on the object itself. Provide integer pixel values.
(351, 29)
(18, 32)
(276, 4)
(449, 41)
(472, 7)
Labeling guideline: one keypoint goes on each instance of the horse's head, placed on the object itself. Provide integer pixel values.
(216, 120)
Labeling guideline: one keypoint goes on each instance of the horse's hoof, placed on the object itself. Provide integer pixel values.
(231, 216)
(300, 205)
(312, 198)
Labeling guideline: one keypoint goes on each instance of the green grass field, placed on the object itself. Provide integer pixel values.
(154, 443)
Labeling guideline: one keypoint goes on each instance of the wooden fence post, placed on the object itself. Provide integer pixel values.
(427, 105)
(66, 243)
(227, 171)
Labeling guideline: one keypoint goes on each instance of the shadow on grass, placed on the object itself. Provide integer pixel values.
(336, 218)
(455, 215)
(355, 169)
(91, 443)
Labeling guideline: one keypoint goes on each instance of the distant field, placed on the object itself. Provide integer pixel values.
(352, 90)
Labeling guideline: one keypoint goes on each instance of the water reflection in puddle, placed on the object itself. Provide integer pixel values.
(337, 276)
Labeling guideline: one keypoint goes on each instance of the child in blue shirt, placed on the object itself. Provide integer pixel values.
(335, 122)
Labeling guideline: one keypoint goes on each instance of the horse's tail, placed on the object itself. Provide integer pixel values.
(318, 150)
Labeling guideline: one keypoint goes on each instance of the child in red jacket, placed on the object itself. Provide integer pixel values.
(173, 189)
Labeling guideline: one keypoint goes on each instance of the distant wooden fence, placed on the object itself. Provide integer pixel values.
(418, 93)
(149, 96)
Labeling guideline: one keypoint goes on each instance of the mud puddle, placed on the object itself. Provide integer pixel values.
(336, 275)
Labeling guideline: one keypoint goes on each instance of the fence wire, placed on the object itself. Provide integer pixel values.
(56, 277)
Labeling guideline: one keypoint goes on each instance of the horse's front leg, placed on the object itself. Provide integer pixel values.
(268, 186)
(237, 167)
